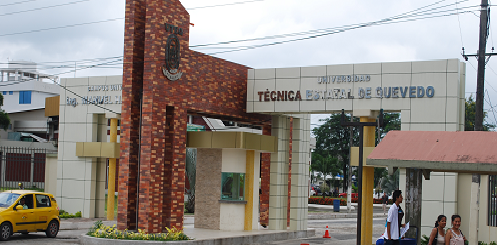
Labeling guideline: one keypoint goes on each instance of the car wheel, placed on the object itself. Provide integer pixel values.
(52, 229)
(5, 231)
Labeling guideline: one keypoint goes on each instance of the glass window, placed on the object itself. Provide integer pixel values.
(24, 97)
(232, 186)
(4, 92)
(7, 199)
(42, 201)
(11, 92)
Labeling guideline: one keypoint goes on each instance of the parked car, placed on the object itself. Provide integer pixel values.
(344, 195)
(24, 211)
(313, 192)
(316, 189)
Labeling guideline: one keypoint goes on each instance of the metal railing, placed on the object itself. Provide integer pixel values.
(492, 200)
(22, 165)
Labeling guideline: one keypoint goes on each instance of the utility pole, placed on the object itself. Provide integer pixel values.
(483, 58)
(479, 116)
(361, 126)
(480, 82)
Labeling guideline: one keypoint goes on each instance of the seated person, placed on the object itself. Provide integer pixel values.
(23, 203)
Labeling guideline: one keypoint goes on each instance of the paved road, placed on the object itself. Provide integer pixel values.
(64, 237)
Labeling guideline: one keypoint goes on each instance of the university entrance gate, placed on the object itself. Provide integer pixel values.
(164, 81)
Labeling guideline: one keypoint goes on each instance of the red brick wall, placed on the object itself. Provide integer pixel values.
(265, 175)
(209, 86)
(289, 172)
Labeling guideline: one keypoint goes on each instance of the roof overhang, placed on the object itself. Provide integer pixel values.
(463, 152)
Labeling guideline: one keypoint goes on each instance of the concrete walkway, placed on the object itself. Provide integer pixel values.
(208, 237)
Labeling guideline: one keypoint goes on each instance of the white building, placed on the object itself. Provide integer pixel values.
(24, 90)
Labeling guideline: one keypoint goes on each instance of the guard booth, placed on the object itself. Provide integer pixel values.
(428, 159)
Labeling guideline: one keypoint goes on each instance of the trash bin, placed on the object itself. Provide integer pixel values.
(408, 241)
(336, 205)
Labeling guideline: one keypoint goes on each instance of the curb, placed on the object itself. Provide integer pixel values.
(65, 225)
(246, 239)
(325, 216)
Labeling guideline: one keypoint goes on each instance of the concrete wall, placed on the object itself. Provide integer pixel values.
(439, 196)
(485, 233)
(208, 188)
(81, 180)
(234, 161)
(51, 174)
(463, 202)
(232, 216)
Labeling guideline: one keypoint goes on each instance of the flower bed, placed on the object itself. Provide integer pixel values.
(343, 202)
(111, 232)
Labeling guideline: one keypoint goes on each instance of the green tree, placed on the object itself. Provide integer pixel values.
(470, 116)
(390, 183)
(326, 165)
(332, 140)
(4, 117)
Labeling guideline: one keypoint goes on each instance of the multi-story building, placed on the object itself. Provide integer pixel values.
(24, 90)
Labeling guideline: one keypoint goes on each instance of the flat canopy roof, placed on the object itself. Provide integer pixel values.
(441, 151)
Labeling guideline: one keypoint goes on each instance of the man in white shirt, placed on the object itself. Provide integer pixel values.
(394, 218)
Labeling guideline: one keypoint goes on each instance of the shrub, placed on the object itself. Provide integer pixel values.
(64, 214)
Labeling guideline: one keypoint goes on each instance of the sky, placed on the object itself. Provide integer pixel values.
(36, 30)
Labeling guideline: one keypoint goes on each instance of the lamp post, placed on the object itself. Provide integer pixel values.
(361, 126)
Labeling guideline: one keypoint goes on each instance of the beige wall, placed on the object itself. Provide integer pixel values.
(51, 174)
(232, 217)
(463, 202)
(485, 233)
(80, 180)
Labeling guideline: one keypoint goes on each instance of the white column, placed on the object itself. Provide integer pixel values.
(278, 182)
(300, 173)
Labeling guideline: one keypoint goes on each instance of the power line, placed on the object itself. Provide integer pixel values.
(222, 5)
(41, 8)
(61, 27)
(20, 2)
(242, 48)
(459, 21)
(365, 24)
(490, 104)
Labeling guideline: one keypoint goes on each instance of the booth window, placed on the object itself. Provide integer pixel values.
(232, 186)
(492, 200)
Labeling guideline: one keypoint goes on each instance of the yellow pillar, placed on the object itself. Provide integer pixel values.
(249, 189)
(111, 180)
(367, 187)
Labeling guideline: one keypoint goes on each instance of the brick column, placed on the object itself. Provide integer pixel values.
(265, 175)
(175, 163)
(134, 41)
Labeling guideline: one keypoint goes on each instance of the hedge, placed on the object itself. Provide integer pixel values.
(343, 202)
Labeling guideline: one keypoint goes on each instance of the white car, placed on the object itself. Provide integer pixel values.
(313, 193)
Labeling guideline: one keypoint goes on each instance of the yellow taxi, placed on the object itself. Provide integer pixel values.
(24, 211)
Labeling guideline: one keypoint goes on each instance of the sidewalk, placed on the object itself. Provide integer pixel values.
(316, 212)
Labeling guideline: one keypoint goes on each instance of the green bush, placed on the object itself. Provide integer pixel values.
(424, 240)
(64, 214)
